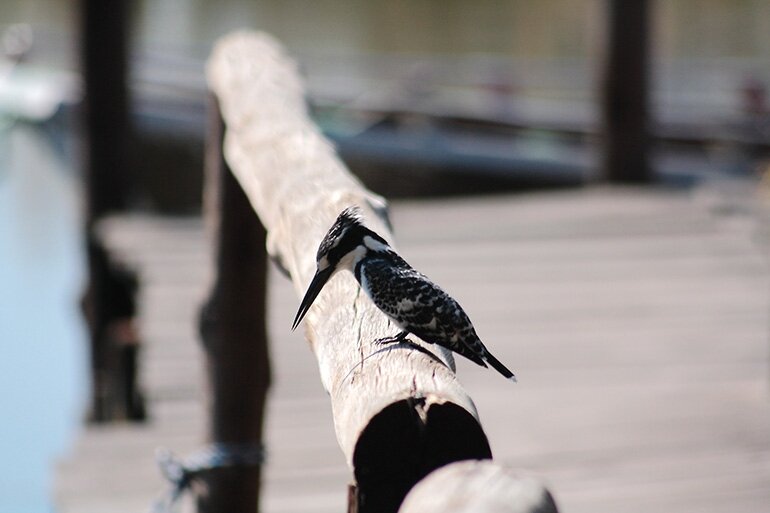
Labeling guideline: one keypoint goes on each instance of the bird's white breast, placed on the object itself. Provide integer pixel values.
(351, 259)
(374, 244)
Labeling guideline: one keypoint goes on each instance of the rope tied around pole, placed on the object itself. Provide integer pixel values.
(181, 473)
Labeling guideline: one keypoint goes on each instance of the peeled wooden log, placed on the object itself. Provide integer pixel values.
(478, 487)
(399, 411)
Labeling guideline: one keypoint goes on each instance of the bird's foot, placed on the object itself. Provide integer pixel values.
(401, 337)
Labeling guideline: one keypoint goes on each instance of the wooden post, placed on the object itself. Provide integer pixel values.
(399, 411)
(625, 93)
(234, 332)
(478, 487)
(104, 54)
(115, 392)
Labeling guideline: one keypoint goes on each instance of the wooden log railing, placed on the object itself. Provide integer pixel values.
(478, 487)
(399, 412)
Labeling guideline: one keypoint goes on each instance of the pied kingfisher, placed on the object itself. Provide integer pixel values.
(414, 303)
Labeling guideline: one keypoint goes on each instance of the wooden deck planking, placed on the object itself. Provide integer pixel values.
(636, 320)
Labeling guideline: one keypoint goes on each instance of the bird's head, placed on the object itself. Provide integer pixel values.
(346, 243)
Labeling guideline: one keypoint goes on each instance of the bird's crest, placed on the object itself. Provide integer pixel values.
(348, 218)
(351, 215)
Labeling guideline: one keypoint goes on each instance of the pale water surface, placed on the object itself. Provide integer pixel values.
(43, 348)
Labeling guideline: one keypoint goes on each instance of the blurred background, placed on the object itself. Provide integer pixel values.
(488, 101)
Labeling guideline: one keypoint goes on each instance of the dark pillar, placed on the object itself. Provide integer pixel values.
(114, 348)
(625, 93)
(104, 54)
(234, 332)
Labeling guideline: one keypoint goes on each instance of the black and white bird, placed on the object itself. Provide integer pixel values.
(414, 303)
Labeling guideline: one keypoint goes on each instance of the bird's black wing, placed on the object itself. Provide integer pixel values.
(419, 306)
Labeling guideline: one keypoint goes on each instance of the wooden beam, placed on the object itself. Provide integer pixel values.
(234, 332)
(399, 412)
(478, 487)
(625, 93)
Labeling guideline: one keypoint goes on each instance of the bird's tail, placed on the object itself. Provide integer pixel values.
(499, 367)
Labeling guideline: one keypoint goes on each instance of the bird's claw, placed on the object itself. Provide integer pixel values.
(401, 337)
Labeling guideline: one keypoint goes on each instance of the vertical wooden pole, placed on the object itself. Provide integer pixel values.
(105, 130)
(625, 93)
(233, 331)
(104, 53)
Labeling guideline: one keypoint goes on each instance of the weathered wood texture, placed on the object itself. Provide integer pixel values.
(233, 331)
(478, 487)
(637, 322)
(398, 412)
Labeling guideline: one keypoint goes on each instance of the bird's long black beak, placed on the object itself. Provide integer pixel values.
(319, 280)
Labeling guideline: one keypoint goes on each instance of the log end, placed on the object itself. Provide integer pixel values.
(405, 442)
(478, 487)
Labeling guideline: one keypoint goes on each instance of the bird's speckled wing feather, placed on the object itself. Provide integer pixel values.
(419, 306)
